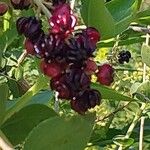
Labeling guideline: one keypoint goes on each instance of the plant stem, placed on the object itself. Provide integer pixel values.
(141, 133)
(134, 122)
(113, 113)
(72, 4)
(56, 106)
(39, 3)
(21, 58)
(143, 118)
(140, 29)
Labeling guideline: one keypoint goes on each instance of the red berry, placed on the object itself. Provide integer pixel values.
(3, 8)
(51, 69)
(62, 20)
(92, 34)
(61, 87)
(105, 74)
(91, 67)
(29, 47)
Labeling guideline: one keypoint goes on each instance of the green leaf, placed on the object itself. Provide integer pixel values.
(4, 92)
(18, 72)
(7, 38)
(41, 84)
(122, 140)
(61, 134)
(143, 17)
(42, 97)
(123, 12)
(144, 89)
(108, 93)
(120, 9)
(13, 87)
(95, 14)
(134, 87)
(123, 24)
(21, 123)
(145, 54)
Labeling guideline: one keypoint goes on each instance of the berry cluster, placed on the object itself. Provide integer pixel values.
(124, 56)
(66, 56)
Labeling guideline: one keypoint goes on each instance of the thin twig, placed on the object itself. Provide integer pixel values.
(40, 4)
(113, 113)
(144, 79)
(141, 133)
(140, 29)
(21, 58)
(56, 106)
(72, 4)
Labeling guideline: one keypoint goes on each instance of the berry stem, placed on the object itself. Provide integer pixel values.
(56, 106)
(21, 58)
(72, 4)
(39, 3)
(81, 27)
(113, 113)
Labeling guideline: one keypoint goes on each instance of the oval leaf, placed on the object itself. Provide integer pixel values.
(108, 93)
(20, 124)
(95, 14)
(61, 134)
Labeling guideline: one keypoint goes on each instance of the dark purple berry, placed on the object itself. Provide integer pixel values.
(75, 54)
(124, 56)
(77, 80)
(85, 100)
(58, 84)
(30, 27)
(21, 4)
(58, 2)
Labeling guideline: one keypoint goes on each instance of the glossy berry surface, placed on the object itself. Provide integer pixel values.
(52, 69)
(124, 56)
(62, 20)
(85, 100)
(29, 47)
(58, 84)
(105, 74)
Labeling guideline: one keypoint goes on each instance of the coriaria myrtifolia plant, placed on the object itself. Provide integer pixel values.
(66, 56)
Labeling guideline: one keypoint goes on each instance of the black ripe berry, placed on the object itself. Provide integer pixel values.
(85, 100)
(124, 56)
